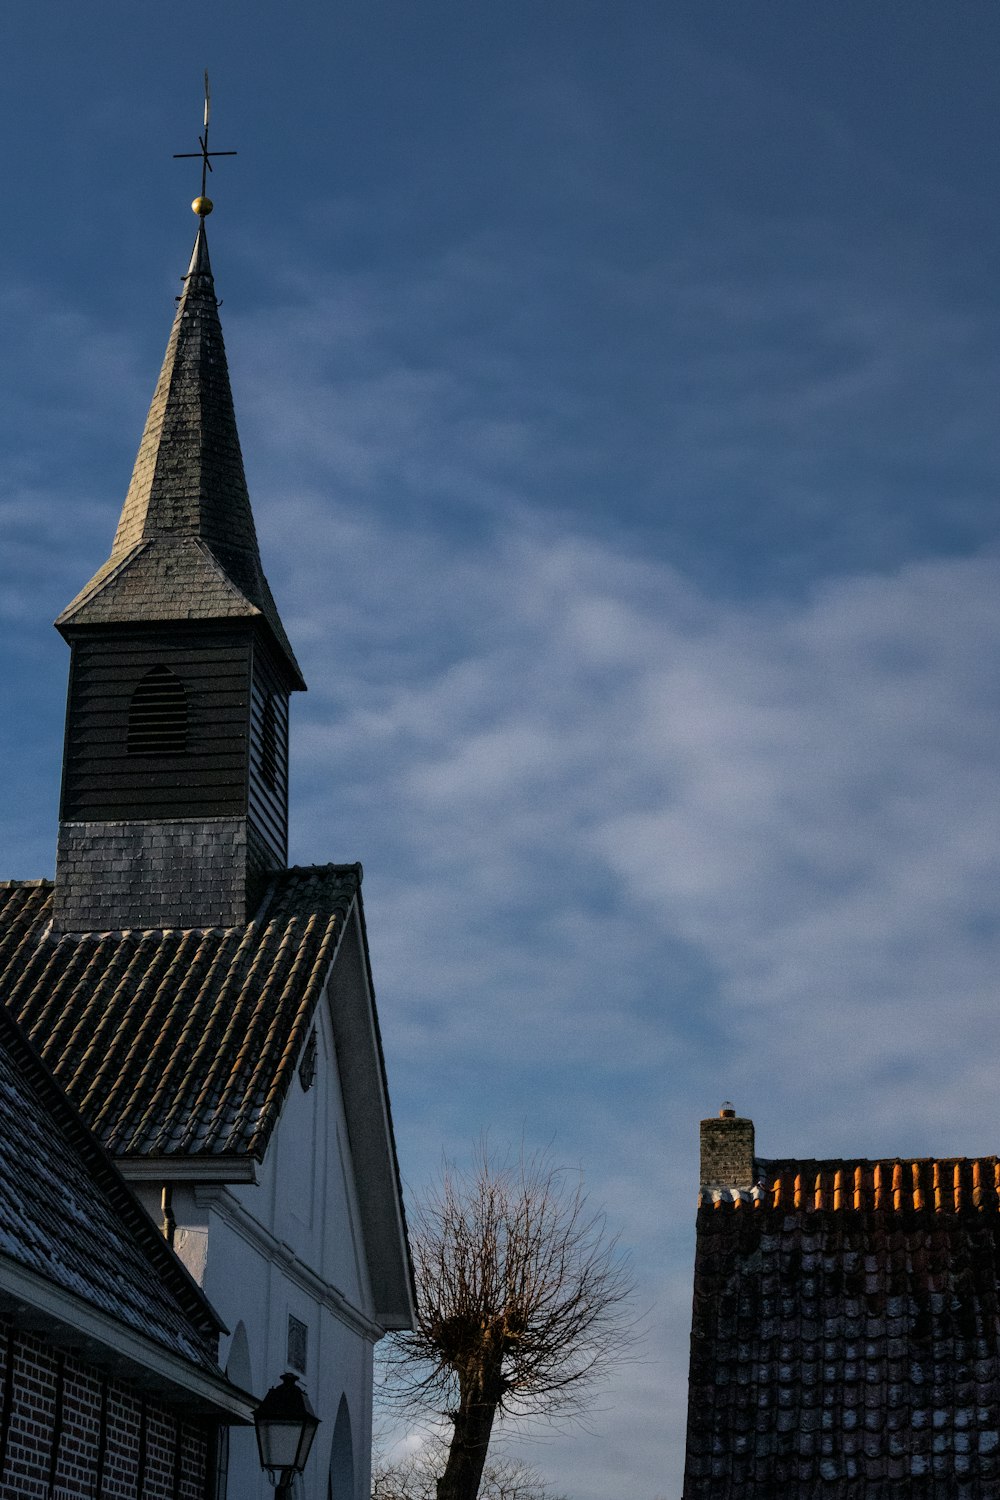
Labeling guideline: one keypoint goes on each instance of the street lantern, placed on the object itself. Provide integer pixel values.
(286, 1425)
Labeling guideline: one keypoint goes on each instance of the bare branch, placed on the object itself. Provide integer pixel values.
(521, 1303)
(413, 1475)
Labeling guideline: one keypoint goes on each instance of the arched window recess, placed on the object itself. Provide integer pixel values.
(158, 715)
(340, 1485)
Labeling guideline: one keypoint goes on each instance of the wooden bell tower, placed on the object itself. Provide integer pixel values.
(174, 803)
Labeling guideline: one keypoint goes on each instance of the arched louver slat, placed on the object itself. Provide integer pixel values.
(158, 715)
(269, 743)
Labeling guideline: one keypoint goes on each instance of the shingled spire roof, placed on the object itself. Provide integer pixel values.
(186, 547)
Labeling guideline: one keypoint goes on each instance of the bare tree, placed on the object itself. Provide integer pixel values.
(414, 1477)
(521, 1297)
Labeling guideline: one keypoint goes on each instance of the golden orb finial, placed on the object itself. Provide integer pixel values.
(203, 206)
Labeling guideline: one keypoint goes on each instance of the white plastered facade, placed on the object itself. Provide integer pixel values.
(293, 1245)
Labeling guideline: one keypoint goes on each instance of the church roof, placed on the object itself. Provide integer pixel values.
(176, 1042)
(68, 1220)
(845, 1337)
(186, 546)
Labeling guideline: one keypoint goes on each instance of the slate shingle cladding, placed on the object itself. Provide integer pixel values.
(169, 874)
(846, 1334)
(66, 1215)
(176, 1041)
(186, 547)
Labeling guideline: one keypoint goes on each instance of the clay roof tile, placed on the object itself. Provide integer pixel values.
(176, 1041)
(845, 1334)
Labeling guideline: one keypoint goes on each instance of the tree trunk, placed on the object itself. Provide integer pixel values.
(470, 1440)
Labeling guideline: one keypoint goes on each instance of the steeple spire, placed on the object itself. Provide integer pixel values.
(174, 804)
(186, 546)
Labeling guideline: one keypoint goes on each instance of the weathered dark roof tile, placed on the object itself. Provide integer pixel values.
(846, 1333)
(176, 1041)
(66, 1215)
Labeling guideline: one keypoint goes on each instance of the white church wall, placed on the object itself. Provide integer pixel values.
(290, 1246)
(257, 1283)
(190, 1241)
(249, 1286)
(305, 1193)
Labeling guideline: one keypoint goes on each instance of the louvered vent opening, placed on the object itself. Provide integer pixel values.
(269, 743)
(158, 715)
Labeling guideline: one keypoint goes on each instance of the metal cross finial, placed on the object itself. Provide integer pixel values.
(204, 153)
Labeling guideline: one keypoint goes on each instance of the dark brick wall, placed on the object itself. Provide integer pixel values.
(111, 876)
(727, 1147)
(173, 1446)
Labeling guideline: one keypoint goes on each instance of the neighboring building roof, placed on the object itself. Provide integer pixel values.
(845, 1338)
(176, 1042)
(186, 547)
(67, 1216)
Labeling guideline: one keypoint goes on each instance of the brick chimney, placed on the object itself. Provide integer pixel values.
(727, 1150)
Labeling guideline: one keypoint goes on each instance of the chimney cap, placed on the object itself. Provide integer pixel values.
(728, 1110)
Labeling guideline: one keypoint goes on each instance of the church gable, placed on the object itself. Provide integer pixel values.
(176, 1043)
(309, 1160)
(184, 1049)
(351, 1000)
(331, 1153)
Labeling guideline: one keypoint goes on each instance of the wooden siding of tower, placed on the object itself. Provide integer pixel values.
(267, 805)
(102, 781)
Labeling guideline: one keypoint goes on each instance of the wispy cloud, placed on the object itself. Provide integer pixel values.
(795, 793)
(631, 848)
(639, 833)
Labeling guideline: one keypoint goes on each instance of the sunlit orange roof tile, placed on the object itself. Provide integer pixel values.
(846, 1333)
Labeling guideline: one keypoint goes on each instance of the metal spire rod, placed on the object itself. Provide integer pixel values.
(204, 153)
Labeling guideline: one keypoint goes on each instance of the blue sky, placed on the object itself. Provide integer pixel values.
(617, 386)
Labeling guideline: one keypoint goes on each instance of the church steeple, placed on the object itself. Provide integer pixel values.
(174, 801)
(186, 546)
